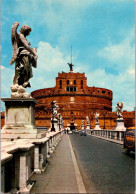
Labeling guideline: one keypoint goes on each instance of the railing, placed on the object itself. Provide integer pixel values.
(111, 134)
(22, 158)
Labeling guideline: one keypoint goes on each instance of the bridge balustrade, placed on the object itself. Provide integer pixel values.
(22, 158)
(110, 134)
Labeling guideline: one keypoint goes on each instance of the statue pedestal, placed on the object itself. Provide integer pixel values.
(88, 127)
(97, 126)
(120, 125)
(20, 119)
(54, 122)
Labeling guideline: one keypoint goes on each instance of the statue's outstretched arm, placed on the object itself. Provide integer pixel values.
(25, 43)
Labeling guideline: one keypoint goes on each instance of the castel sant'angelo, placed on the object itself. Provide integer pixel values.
(76, 101)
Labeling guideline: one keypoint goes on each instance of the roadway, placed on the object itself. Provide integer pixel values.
(104, 166)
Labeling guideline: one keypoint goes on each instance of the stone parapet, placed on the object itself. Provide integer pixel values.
(110, 134)
(23, 157)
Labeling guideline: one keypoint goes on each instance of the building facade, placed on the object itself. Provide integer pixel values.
(76, 100)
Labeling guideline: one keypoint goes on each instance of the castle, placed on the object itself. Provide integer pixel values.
(76, 100)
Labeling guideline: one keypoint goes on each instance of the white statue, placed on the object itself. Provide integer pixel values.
(119, 109)
(24, 58)
(87, 120)
(97, 117)
(55, 108)
(59, 116)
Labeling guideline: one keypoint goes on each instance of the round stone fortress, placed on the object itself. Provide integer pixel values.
(75, 100)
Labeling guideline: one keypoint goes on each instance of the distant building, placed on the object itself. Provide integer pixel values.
(76, 101)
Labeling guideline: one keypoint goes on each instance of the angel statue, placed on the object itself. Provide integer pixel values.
(87, 120)
(23, 56)
(55, 108)
(119, 109)
(97, 117)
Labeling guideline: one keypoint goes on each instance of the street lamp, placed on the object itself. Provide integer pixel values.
(104, 120)
(52, 119)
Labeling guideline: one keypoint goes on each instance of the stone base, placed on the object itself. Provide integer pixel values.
(120, 125)
(55, 122)
(20, 119)
(97, 127)
(88, 127)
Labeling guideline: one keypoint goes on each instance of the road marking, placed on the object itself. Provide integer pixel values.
(80, 184)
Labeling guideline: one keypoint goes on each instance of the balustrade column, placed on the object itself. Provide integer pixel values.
(23, 171)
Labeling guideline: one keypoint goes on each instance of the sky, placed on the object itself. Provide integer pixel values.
(101, 33)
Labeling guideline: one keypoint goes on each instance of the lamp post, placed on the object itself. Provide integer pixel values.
(104, 113)
(52, 120)
(104, 120)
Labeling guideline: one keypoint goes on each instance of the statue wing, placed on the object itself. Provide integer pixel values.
(14, 39)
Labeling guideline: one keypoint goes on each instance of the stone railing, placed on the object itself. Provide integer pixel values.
(111, 134)
(22, 158)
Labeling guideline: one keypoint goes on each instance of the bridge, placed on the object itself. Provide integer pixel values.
(67, 163)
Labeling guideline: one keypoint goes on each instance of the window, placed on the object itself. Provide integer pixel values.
(81, 84)
(109, 93)
(103, 92)
(74, 82)
(60, 84)
(70, 89)
(67, 82)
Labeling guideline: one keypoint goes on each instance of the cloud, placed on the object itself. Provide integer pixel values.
(49, 58)
(7, 75)
(120, 55)
(122, 86)
(2, 67)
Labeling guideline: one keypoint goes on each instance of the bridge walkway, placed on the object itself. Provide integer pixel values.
(62, 174)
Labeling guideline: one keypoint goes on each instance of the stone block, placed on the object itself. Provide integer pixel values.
(120, 125)
(20, 119)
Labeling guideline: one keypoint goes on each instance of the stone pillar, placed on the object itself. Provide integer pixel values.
(53, 142)
(120, 135)
(36, 159)
(115, 135)
(47, 147)
(2, 179)
(23, 173)
(50, 145)
(110, 134)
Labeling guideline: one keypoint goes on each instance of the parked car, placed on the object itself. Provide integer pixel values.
(129, 140)
(83, 133)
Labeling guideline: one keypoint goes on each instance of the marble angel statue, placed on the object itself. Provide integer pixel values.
(119, 109)
(23, 56)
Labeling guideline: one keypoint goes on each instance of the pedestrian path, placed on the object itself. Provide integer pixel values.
(108, 139)
(62, 175)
